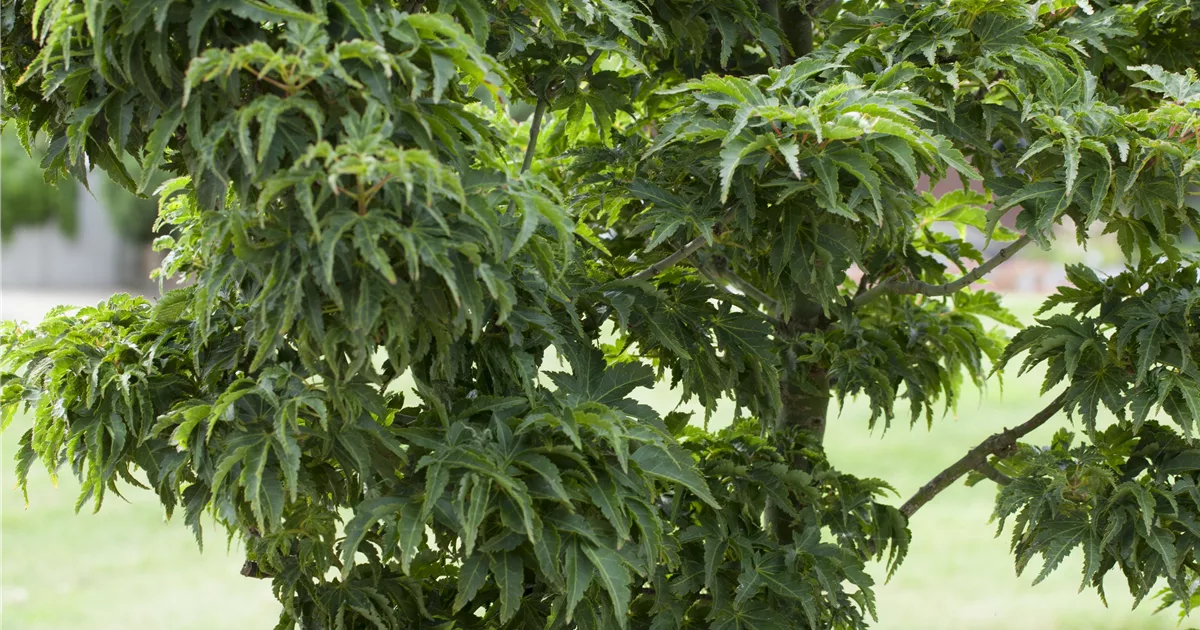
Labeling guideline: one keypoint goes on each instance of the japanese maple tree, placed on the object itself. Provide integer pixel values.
(521, 211)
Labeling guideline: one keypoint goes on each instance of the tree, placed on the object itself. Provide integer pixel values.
(451, 193)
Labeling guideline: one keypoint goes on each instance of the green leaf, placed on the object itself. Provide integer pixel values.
(578, 570)
(1062, 538)
(548, 471)
(604, 495)
(1163, 542)
(477, 508)
(593, 381)
(471, 577)
(952, 156)
(610, 571)
(508, 572)
(673, 464)
(412, 532)
(366, 515)
(156, 146)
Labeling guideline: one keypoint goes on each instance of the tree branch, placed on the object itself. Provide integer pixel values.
(723, 281)
(670, 261)
(995, 444)
(586, 68)
(989, 471)
(534, 130)
(912, 287)
(744, 287)
(250, 569)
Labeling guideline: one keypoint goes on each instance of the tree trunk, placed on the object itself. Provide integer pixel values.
(796, 25)
(804, 390)
(805, 394)
(798, 28)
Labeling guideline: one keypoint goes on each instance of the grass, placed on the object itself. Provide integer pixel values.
(124, 568)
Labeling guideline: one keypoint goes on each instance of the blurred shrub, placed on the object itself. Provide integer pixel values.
(26, 195)
(132, 216)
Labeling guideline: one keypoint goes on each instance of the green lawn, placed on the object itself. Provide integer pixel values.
(125, 569)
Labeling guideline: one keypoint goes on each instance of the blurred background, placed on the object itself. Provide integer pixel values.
(126, 568)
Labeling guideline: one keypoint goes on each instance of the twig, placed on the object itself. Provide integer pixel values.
(251, 569)
(996, 443)
(539, 112)
(586, 68)
(740, 298)
(687, 250)
(670, 261)
(744, 287)
(912, 287)
(989, 471)
(534, 130)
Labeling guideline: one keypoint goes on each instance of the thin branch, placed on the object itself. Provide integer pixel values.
(744, 287)
(687, 250)
(250, 569)
(997, 443)
(670, 261)
(989, 471)
(912, 287)
(739, 299)
(534, 129)
(539, 112)
(586, 68)
(544, 100)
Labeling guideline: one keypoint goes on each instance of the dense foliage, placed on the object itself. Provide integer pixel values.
(437, 246)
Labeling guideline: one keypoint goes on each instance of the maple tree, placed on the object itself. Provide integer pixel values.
(450, 193)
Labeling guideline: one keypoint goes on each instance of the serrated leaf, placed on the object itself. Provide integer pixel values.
(366, 514)
(508, 572)
(578, 570)
(673, 464)
(471, 577)
(610, 571)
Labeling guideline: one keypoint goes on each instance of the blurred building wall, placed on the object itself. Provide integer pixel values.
(96, 257)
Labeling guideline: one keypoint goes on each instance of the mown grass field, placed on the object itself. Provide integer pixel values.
(123, 568)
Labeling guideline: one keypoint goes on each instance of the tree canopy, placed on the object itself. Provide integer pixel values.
(436, 244)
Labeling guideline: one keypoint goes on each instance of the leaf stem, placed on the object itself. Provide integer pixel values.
(535, 129)
(995, 444)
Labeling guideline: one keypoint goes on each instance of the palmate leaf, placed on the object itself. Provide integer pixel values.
(673, 464)
(1092, 386)
(750, 619)
(593, 381)
(1059, 540)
